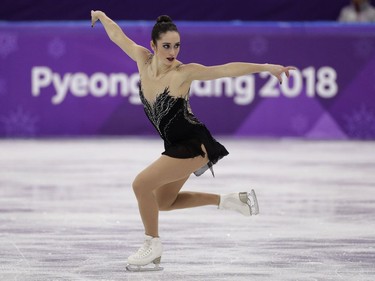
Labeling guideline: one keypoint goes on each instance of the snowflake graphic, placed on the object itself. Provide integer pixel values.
(56, 48)
(361, 124)
(8, 44)
(3, 87)
(19, 124)
(258, 45)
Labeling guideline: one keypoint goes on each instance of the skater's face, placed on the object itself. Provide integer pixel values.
(167, 47)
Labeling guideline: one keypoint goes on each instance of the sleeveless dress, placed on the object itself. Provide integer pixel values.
(182, 132)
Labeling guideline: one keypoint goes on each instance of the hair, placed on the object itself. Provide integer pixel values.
(163, 25)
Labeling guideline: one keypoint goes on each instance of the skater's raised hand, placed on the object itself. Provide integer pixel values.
(95, 17)
(277, 70)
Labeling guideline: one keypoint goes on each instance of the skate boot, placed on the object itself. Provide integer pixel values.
(245, 203)
(148, 257)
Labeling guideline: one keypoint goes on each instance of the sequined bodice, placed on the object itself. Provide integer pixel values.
(183, 134)
(171, 116)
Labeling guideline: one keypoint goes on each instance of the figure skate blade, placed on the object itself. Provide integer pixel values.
(144, 268)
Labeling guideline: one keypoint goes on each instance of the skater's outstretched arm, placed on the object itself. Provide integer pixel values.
(194, 71)
(136, 52)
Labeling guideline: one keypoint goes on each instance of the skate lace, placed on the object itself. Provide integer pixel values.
(145, 250)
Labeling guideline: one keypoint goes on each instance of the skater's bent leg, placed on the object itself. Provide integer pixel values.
(169, 197)
(163, 171)
(188, 199)
(167, 194)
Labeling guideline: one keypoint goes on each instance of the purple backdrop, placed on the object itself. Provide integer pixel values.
(70, 80)
(192, 10)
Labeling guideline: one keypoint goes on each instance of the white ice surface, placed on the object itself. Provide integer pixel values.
(67, 212)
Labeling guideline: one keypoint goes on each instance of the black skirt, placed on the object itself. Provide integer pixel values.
(193, 147)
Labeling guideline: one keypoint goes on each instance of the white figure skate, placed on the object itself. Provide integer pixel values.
(245, 203)
(148, 257)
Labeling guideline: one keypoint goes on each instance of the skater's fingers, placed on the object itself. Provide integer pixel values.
(279, 78)
(93, 18)
(287, 73)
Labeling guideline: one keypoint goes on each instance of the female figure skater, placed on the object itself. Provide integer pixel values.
(189, 146)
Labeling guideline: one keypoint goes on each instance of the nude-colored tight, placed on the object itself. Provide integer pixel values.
(158, 188)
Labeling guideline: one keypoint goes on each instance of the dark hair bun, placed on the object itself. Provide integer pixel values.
(163, 18)
(163, 24)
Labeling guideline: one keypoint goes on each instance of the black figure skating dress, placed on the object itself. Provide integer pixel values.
(182, 132)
